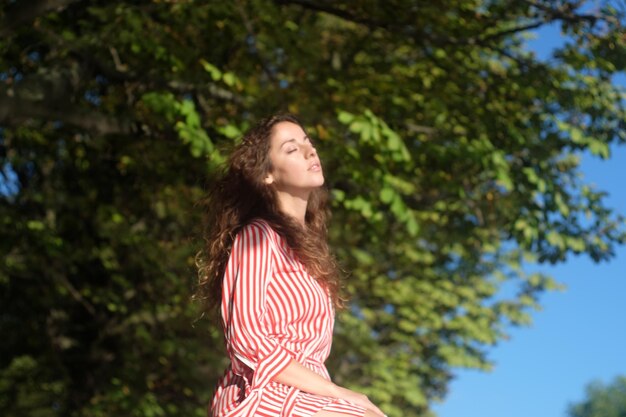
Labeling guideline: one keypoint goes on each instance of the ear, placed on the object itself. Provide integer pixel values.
(269, 179)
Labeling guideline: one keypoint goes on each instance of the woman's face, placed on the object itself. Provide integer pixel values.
(296, 168)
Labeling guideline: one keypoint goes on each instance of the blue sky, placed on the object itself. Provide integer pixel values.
(578, 337)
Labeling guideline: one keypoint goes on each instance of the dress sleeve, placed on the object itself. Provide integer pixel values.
(247, 276)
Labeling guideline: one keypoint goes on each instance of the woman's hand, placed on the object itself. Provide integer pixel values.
(358, 399)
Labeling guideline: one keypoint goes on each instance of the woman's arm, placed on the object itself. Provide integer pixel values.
(244, 291)
(298, 376)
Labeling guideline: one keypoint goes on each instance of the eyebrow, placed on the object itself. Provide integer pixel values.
(293, 140)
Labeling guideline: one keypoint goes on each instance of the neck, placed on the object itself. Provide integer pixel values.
(293, 205)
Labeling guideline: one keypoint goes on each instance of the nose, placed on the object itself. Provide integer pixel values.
(309, 150)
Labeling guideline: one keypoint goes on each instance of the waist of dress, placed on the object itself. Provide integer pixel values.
(310, 361)
(299, 357)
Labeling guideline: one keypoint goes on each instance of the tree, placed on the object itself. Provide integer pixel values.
(451, 153)
(602, 400)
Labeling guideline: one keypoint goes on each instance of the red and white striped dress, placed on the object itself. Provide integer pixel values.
(273, 311)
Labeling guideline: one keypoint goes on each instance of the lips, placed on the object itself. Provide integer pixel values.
(315, 166)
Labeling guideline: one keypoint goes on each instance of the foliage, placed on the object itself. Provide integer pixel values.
(602, 400)
(451, 153)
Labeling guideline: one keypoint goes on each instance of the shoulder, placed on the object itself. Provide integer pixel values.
(260, 224)
(257, 230)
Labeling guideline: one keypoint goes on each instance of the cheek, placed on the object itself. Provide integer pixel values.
(287, 169)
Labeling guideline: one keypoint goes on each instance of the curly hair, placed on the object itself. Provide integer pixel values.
(239, 196)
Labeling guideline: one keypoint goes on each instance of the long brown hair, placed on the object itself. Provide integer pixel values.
(239, 196)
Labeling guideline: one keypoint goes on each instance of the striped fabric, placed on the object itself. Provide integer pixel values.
(273, 311)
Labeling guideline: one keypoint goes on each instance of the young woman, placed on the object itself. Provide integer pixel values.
(269, 270)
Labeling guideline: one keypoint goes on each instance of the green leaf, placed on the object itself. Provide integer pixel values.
(386, 195)
(215, 73)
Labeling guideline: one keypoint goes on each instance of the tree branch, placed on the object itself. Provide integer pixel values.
(565, 12)
(500, 34)
(269, 71)
(316, 6)
(551, 14)
(16, 110)
(24, 12)
(112, 73)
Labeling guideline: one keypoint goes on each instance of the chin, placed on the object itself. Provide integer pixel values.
(319, 183)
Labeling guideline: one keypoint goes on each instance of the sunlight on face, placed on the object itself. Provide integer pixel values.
(296, 168)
